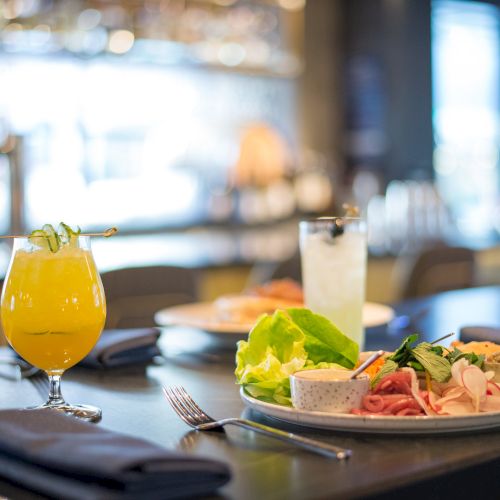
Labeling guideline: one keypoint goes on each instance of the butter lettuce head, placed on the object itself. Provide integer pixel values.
(286, 342)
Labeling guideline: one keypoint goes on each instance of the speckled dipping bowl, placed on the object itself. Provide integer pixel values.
(328, 390)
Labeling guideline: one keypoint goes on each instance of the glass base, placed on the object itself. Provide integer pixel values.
(83, 412)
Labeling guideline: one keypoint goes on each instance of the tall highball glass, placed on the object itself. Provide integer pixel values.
(333, 254)
(53, 311)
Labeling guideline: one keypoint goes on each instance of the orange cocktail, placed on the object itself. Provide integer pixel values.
(53, 307)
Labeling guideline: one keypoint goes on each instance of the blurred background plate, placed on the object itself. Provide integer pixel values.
(204, 315)
(375, 314)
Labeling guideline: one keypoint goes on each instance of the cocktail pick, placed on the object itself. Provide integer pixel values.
(109, 232)
(366, 364)
(442, 338)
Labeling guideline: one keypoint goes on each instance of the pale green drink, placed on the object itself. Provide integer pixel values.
(333, 254)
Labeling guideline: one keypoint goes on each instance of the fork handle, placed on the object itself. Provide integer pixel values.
(313, 445)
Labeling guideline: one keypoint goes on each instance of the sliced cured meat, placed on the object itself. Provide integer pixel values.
(373, 403)
(394, 383)
(393, 395)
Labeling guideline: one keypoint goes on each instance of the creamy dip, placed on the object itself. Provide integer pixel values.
(328, 390)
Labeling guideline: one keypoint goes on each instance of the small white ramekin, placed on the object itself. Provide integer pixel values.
(328, 390)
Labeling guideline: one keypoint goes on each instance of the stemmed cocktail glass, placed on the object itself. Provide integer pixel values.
(53, 309)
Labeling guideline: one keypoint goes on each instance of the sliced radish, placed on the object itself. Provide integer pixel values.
(454, 393)
(474, 380)
(476, 384)
(454, 407)
(433, 401)
(415, 391)
(494, 388)
(456, 370)
(491, 403)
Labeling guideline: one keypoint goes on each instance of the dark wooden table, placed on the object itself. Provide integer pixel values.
(465, 465)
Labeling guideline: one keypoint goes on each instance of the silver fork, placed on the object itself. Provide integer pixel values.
(22, 369)
(184, 405)
(41, 383)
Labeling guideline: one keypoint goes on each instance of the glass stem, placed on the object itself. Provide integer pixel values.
(55, 396)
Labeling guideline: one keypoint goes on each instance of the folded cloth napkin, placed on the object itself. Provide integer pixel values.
(123, 347)
(60, 456)
(480, 334)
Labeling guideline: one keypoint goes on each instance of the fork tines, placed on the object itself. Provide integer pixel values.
(184, 405)
(40, 382)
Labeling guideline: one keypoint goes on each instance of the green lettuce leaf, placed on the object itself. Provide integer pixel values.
(324, 341)
(286, 342)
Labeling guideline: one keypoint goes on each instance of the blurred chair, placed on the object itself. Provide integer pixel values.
(479, 334)
(439, 269)
(264, 272)
(290, 268)
(134, 295)
(3, 340)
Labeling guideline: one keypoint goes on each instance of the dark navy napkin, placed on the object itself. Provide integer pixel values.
(480, 334)
(123, 347)
(60, 456)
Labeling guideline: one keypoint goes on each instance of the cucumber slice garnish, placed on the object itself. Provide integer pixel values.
(53, 240)
(52, 237)
(67, 235)
(64, 232)
(39, 239)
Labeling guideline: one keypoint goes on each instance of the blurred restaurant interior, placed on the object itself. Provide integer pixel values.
(206, 129)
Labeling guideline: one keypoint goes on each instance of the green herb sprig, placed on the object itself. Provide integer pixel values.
(425, 357)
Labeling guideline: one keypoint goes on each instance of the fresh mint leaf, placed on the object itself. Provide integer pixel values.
(437, 349)
(438, 367)
(403, 350)
(471, 357)
(416, 366)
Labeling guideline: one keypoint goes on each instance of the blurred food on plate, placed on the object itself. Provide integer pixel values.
(490, 350)
(486, 348)
(287, 289)
(261, 299)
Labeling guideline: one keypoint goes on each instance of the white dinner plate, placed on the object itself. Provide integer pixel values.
(204, 315)
(375, 424)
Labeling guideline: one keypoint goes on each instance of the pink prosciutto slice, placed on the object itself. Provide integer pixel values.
(394, 383)
(469, 391)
